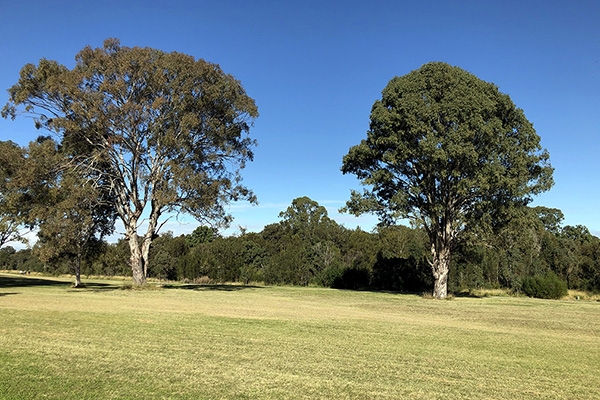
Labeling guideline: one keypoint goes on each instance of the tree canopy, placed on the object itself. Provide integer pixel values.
(162, 132)
(12, 217)
(450, 152)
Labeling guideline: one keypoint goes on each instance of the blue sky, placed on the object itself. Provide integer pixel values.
(316, 67)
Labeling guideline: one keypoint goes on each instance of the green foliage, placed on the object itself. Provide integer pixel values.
(22, 260)
(401, 274)
(305, 247)
(590, 265)
(71, 214)
(202, 234)
(13, 204)
(6, 254)
(352, 278)
(551, 218)
(391, 258)
(305, 217)
(164, 255)
(163, 132)
(450, 152)
(547, 286)
(112, 261)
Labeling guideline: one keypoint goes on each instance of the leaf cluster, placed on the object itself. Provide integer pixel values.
(159, 129)
(445, 148)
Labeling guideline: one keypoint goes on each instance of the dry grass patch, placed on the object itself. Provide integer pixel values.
(580, 295)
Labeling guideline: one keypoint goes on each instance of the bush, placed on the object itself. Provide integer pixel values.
(401, 275)
(329, 276)
(547, 286)
(352, 278)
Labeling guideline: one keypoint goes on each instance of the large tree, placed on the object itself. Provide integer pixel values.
(449, 151)
(166, 133)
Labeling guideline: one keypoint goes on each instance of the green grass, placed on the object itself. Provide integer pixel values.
(233, 342)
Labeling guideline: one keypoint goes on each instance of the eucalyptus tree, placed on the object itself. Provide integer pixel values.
(164, 132)
(448, 151)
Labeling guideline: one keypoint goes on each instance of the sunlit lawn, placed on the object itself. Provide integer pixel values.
(233, 342)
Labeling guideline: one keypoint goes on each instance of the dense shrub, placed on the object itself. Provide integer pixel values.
(401, 274)
(329, 276)
(547, 286)
(352, 278)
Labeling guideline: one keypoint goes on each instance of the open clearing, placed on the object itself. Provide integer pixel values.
(234, 342)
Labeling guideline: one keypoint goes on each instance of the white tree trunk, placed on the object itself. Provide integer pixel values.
(138, 267)
(440, 274)
(78, 271)
(440, 263)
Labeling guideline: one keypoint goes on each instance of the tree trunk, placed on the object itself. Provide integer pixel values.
(78, 272)
(140, 247)
(138, 267)
(440, 266)
(440, 285)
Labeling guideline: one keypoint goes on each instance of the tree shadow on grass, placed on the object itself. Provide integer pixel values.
(22, 281)
(8, 293)
(96, 287)
(10, 281)
(205, 287)
(468, 295)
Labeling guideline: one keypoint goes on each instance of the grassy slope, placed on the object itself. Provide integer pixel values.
(286, 343)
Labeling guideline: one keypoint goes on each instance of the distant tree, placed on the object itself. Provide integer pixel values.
(579, 233)
(450, 152)
(202, 234)
(572, 241)
(165, 252)
(6, 254)
(25, 260)
(309, 246)
(552, 218)
(590, 264)
(307, 218)
(164, 132)
(113, 260)
(359, 249)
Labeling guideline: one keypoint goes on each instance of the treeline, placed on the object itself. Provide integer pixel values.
(308, 248)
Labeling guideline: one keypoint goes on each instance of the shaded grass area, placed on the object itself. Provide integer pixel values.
(193, 342)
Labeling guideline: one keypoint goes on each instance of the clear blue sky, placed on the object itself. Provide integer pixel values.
(316, 67)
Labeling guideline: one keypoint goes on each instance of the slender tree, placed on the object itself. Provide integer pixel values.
(448, 151)
(73, 222)
(164, 132)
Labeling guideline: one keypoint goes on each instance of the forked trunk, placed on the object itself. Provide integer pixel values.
(140, 247)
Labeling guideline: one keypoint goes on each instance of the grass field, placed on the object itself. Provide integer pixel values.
(233, 342)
